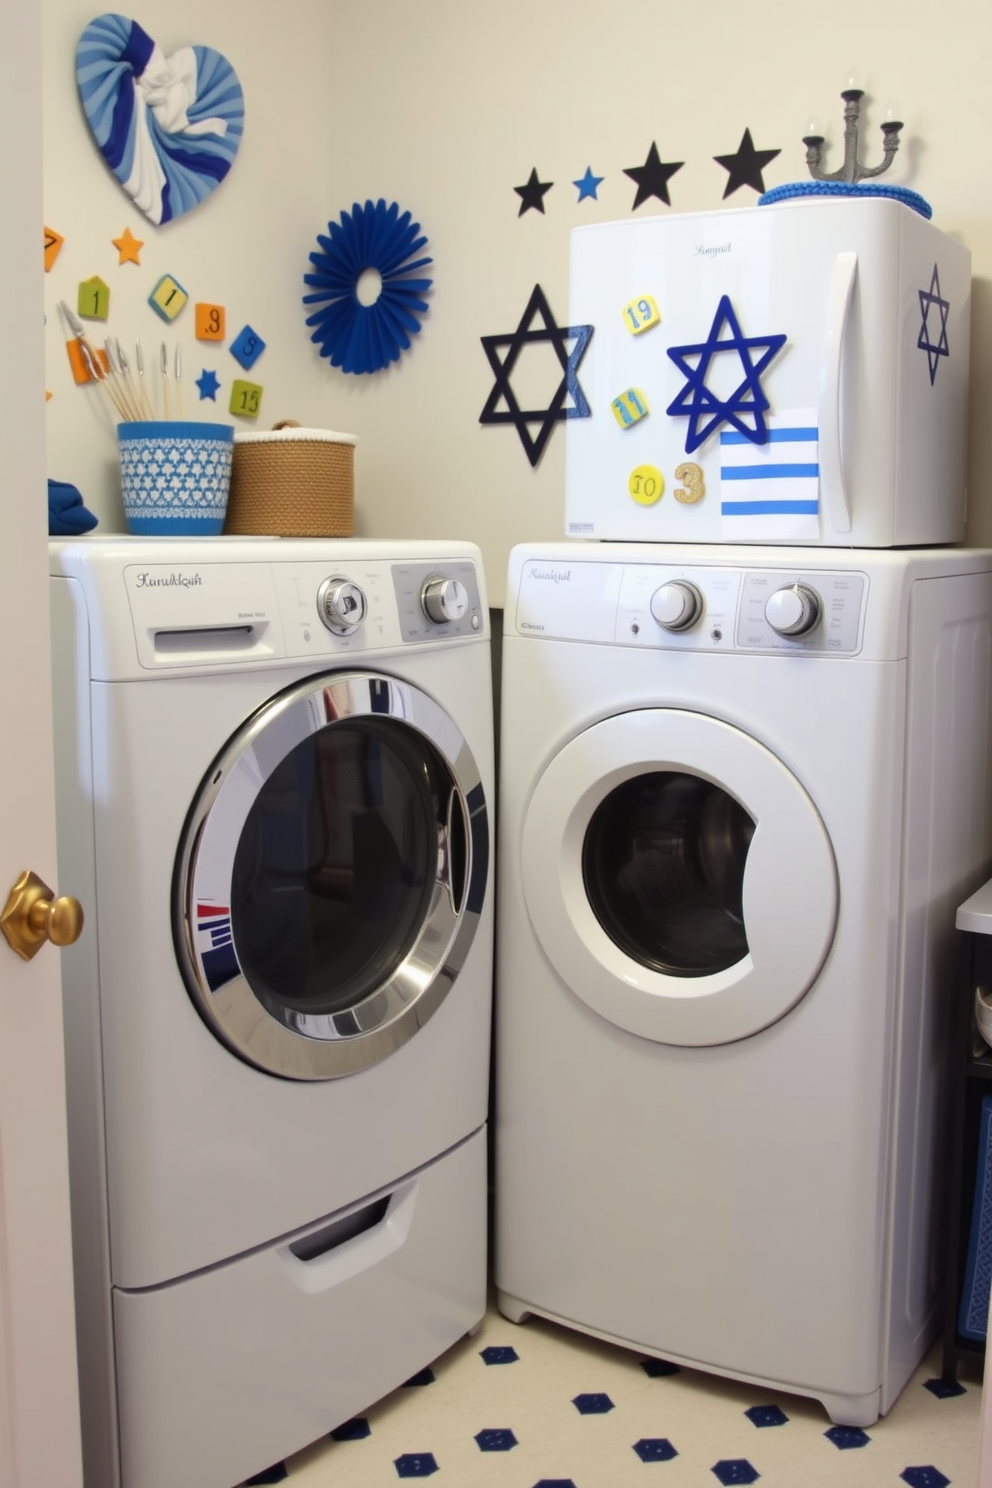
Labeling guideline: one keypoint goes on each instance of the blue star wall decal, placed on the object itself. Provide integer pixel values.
(703, 408)
(588, 184)
(208, 383)
(929, 298)
(569, 361)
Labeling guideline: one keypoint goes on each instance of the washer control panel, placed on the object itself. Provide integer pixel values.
(694, 607)
(437, 600)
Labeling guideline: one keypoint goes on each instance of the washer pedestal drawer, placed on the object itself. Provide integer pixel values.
(226, 1372)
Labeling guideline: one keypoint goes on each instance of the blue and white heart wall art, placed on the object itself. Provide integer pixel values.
(168, 127)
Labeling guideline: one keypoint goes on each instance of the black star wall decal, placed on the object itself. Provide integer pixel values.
(928, 300)
(653, 177)
(502, 368)
(532, 193)
(746, 165)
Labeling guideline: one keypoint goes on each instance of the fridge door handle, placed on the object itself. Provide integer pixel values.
(832, 482)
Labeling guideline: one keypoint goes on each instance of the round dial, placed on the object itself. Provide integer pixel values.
(677, 605)
(793, 611)
(341, 605)
(444, 599)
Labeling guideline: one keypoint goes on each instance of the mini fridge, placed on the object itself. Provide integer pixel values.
(794, 373)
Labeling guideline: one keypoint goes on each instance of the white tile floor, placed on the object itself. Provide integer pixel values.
(539, 1406)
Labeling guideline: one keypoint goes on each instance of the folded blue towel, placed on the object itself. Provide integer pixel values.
(67, 516)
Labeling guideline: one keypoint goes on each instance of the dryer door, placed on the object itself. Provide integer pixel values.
(678, 876)
(331, 875)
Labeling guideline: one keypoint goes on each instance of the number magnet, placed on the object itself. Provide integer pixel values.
(629, 407)
(210, 322)
(641, 314)
(693, 488)
(168, 297)
(646, 484)
(93, 299)
(246, 398)
(53, 244)
(247, 347)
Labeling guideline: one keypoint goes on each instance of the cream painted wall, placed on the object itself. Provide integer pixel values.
(445, 109)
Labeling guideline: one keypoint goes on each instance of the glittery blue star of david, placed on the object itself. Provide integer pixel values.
(704, 410)
(929, 298)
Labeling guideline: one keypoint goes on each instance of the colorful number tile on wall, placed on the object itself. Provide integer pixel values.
(168, 297)
(246, 398)
(629, 407)
(210, 322)
(247, 347)
(53, 244)
(646, 484)
(641, 314)
(93, 299)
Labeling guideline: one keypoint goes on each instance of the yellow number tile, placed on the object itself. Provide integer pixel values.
(168, 297)
(629, 407)
(641, 314)
(646, 484)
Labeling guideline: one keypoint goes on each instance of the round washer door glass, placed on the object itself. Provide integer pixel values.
(331, 875)
(678, 876)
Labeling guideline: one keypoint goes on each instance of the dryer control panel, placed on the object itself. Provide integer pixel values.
(228, 614)
(695, 607)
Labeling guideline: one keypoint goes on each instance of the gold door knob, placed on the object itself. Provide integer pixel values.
(33, 915)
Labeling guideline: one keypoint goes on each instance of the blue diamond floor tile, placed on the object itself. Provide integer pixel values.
(924, 1477)
(766, 1415)
(276, 1474)
(657, 1368)
(592, 1405)
(944, 1389)
(846, 1437)
(423, 1377)
(495, 1440)
(499, 1354)
(356, 1430)
(735, 1470)
(416, 1465)
(655, 1449)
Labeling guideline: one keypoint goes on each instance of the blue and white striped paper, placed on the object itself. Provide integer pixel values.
(771, 492)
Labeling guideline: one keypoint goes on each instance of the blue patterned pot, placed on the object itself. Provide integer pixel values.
(175, 476)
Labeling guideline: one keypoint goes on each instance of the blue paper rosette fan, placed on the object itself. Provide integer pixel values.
(365, 338)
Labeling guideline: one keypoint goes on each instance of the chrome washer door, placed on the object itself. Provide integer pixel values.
(678, 877)
(331, 875)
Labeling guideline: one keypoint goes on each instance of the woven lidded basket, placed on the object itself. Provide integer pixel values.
(292, 482)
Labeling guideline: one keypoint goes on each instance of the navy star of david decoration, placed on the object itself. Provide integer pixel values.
(556, 410)
(704, 410)
(745, 166)
(209, 385)
(531, 194)
(928, 299)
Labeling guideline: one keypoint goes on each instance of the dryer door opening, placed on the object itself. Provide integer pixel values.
(678, 877)
(330, 876)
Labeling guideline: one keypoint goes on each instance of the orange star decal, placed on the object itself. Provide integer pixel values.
(128, 247)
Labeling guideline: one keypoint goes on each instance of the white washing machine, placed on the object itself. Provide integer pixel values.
(275, 768)
(742, 793)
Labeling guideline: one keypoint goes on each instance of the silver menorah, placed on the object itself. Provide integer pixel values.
(852, 170)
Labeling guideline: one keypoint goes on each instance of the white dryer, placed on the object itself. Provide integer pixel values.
(275, 768)
(742, 794)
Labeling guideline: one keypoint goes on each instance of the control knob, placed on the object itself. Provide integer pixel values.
(793, 611)
(677, 605)
(444, 599)
(341, 605)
